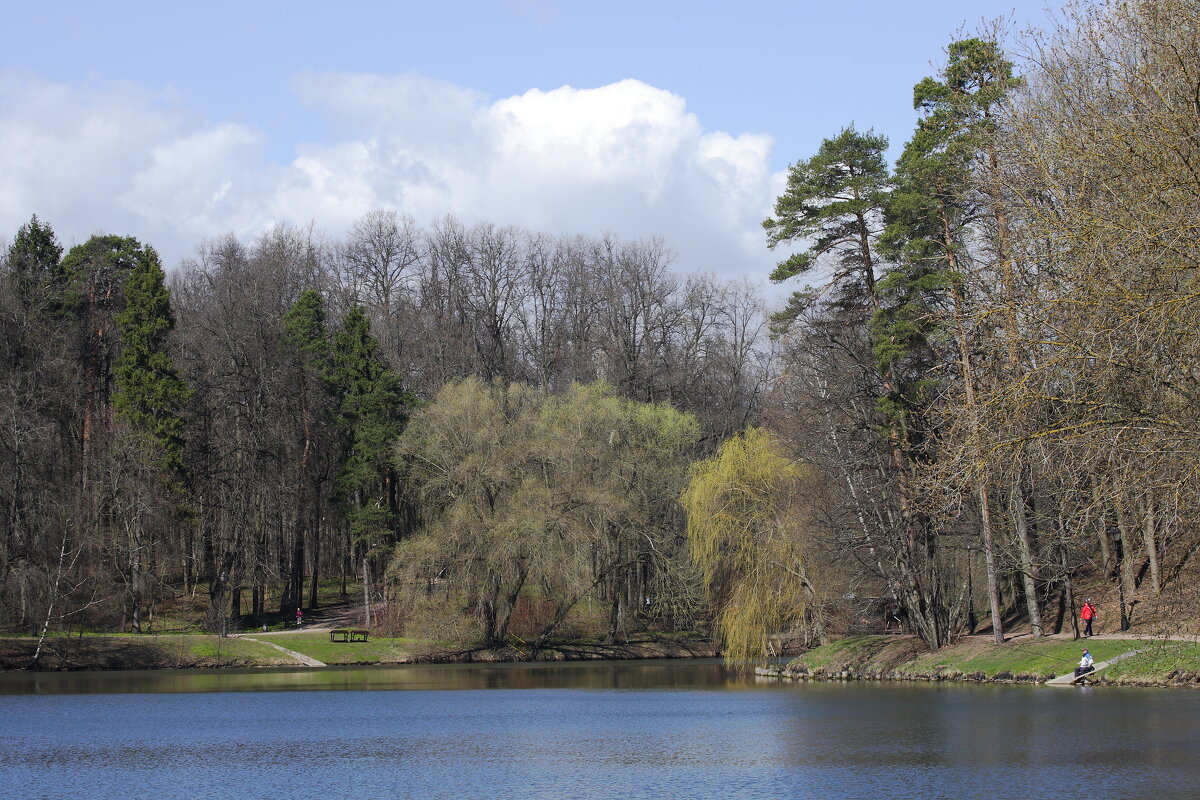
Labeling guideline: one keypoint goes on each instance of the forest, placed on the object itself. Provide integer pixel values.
(981, 396)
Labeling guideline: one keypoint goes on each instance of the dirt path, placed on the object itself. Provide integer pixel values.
(318, 628)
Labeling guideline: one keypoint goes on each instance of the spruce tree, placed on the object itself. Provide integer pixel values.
(306, 335)
(33, 260)
(150, 395)
(372, 411)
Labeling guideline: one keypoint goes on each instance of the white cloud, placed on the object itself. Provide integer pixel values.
(627, 158)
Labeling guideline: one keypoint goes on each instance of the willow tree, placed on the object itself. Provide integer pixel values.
(748, 541)
(555, 498)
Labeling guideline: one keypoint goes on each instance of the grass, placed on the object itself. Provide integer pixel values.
(1159, 662)
(853, 650)
(1163, 662)
(376, 651)
(122, 651)
(218, 650)
(1044, 659)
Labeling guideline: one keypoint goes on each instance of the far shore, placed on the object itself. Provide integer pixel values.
(310, 647)
(1163, 661)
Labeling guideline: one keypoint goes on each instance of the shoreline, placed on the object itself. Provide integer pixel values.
(1160, 662)
(108, 653)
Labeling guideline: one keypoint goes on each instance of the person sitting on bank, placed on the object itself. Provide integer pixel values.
(1086, 665)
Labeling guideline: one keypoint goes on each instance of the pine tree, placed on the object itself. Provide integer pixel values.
(834, 200)
(929, 216)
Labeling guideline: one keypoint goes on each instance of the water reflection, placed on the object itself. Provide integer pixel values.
(649, 674)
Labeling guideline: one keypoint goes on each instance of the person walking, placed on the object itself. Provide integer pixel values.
(299, 616)
(1087, 614)
(1086, 665)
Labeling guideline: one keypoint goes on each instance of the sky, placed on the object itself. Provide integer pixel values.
(179, 122)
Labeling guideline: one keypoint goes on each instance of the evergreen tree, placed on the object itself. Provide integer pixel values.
(33, 260)
(304, 325)
(306, 335)
(929, 216)
(93, 278)
(150, 394)
(371, 413)
(834, 201)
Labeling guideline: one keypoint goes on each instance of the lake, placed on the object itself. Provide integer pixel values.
(681, 729)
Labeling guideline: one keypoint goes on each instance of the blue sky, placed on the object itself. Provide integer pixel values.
(175, 122)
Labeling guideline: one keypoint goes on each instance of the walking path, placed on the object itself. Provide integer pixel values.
(1027, 636)
(307, 661)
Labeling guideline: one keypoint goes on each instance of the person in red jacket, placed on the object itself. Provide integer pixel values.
(1087, 614)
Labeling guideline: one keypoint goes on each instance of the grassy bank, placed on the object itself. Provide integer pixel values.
(1163, 663)
(376, 651)
(147, 651)
(124, 651)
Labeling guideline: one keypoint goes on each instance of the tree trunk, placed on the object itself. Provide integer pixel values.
(1103, 531)
(1149, 532)
(968, 376)
(989, 560)
(366, 573)
(1025, 548)
(316, 565)
(1126, 580)
(135, 580)
(1069, 588)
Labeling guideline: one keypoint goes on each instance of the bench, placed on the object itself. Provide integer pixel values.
(339, 635)
(359, 635)
(349, 635)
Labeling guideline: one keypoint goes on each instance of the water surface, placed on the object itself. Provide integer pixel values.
(582, 731)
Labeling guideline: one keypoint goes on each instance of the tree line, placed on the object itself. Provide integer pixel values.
(231, 430)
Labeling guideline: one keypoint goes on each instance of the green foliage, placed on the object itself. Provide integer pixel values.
(150, 394)
(304, 326)
(371, 411)
(830, 203)
(33, 259)
(826, 195)
(927, 214)
(526, 489)
(747, 541)
(94, 273)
